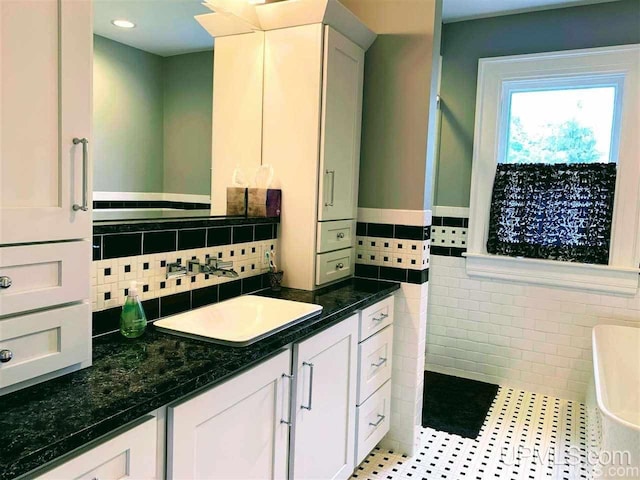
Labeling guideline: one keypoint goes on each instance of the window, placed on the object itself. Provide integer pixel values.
(552, 113)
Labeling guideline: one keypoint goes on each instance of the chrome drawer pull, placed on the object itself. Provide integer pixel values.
(5, 282)
(380, 420)
(290, 377)
(381, 317)
(340, 235)
(339, 266)
(381, 362)
(5, 355)
(310, 365)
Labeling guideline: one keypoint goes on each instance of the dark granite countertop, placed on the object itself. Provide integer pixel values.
(131, 378)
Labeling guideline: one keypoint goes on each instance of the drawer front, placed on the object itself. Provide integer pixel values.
(44, 275)
(372, 419)
(374, 363)
(44, 342)
(376, 317)
(334, 266)
(131, 454)
(336, 235)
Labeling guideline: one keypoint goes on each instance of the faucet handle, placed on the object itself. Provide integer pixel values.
(194, 266)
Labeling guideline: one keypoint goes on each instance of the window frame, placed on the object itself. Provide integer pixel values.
(496, 78)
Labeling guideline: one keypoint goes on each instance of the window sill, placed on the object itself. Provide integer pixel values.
(595, 278)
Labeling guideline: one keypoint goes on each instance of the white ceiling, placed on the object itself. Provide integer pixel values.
(457, 10)
(163, 27)
(167, 27)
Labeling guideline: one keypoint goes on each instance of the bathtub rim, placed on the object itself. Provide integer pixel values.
(598, 383)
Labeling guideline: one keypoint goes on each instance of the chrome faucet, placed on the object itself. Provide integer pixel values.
(175, 270)
(213, 266)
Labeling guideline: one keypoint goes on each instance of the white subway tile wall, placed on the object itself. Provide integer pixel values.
(525, 336)
(111, 278)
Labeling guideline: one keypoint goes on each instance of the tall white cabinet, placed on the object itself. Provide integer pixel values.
(313, 78)
(45, 188)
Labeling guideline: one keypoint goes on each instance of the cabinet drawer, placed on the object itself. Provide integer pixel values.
(376, 317)
(44, 275)
(131, 454)
(336, 235)
(373, 421)
(374, 363)
(334, 266)
(44, 342)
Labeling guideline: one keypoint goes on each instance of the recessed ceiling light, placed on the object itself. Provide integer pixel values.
(123, 23)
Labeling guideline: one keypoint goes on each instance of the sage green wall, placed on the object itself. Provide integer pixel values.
(151, 120)
(398, 101)
(464, 43)
(127, 118)
(188, 101)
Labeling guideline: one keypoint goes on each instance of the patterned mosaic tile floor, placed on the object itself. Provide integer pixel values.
(526, 436)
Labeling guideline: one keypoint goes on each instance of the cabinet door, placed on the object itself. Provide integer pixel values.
(45, 102)
(341, 124)
(235, 430)
(131, 454)
(324, 428)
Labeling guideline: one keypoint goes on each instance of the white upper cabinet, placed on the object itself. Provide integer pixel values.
(45, 102)
(340, 127)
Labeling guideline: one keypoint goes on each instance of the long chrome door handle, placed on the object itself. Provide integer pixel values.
(282, 420)
(380, 420)
(380, 318)
(333, 186)
(310, 365)
(85, 175)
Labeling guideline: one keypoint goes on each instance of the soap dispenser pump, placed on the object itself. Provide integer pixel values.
(133, 321)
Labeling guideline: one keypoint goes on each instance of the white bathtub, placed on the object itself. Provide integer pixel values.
(613, 403)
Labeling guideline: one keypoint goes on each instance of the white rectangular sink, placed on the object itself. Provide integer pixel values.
(240, 321)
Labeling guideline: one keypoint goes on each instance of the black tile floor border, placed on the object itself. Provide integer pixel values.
(385, 230)
(456, 405)
(107, 321)
(392, 273)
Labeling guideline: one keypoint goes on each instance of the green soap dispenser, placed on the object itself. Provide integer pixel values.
(133, 321)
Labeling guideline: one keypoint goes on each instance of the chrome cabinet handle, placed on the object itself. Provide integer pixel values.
(5, 355)
(381, 362)
(380, 420)
(282, 420)
(381, 317)
(333, 186)
(340, 235)
(339, 266)
(85, 176)
(5, 282)
(310, 365)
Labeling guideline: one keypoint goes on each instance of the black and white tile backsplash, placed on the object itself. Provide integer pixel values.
(392, 252)
(449, 236)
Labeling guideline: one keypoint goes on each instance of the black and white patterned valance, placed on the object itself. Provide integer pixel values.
(558, 212)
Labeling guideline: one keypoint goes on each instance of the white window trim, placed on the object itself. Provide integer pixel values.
(621, 275)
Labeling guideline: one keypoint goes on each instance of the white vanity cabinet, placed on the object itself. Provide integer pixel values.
(375, 350)
(236, 430)
(324, 408)
(131, 454)
(46, 49)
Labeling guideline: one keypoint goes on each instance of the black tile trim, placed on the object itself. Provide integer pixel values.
(121, 226)
(103, 204)
(447, 251)
(127, 244)
(450, 222)
(391, 273)
(384, 230)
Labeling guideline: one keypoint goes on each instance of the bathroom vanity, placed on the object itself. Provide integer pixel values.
(91, 421)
